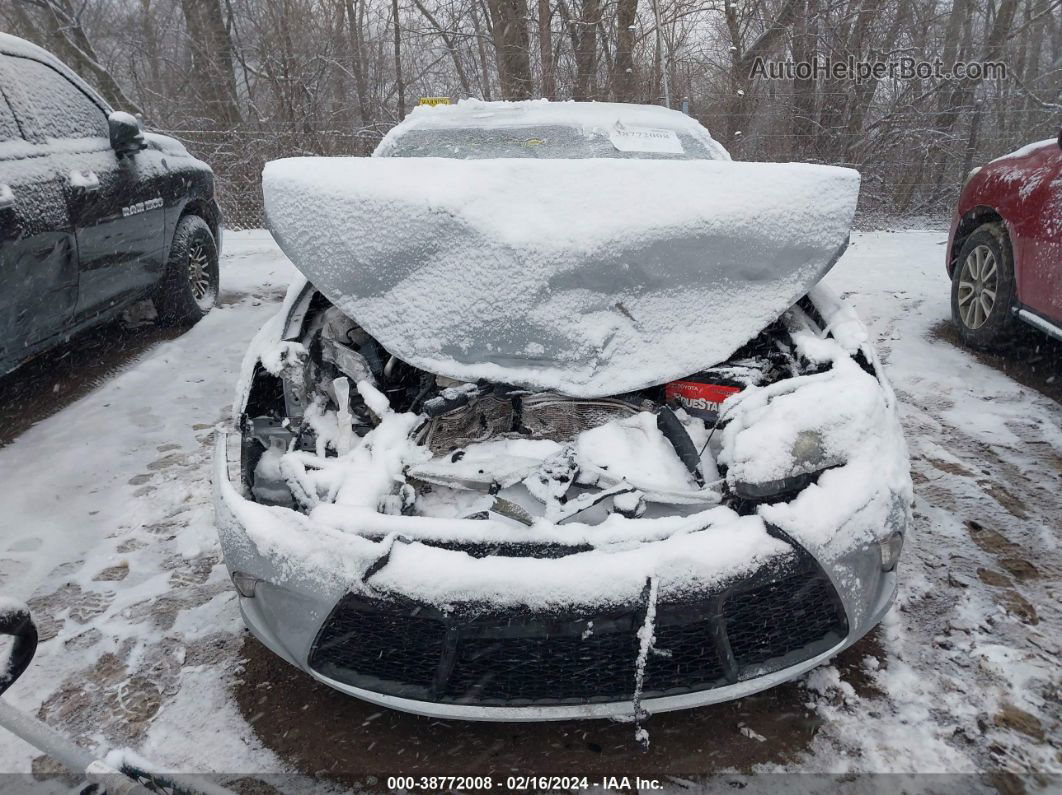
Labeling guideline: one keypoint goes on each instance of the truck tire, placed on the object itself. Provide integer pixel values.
(189, 287)
(983, 289)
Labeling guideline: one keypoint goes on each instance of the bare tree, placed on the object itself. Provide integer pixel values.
(545, 49)
(584, 37)
(399, 83)
(59, 26)
(244, 81)
(743, 58)
(212, 61)
(626, 81)
(511, 43)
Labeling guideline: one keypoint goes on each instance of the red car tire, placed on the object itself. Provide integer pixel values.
(983, 288)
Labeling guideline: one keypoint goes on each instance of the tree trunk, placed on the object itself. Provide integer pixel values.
(512, 45)
(357, 61)
(742, 60)
(804, 51)
(484, 79)
(586, 51)
(545, 49)
(212, 68)
(625, 83)
(400, 86)
(865, 92)
(963, 92)
(1032, 66)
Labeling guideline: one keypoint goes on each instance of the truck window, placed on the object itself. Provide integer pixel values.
(60, 108)
(9, 130)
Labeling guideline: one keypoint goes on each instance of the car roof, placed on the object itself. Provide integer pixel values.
(1027, 150)
(13, 45)
(479, 114)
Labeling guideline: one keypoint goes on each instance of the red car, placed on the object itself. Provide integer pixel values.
(1005, 246)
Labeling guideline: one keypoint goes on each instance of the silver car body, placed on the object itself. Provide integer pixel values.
(843, 471)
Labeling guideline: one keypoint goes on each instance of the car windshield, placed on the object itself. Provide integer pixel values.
(548, 142)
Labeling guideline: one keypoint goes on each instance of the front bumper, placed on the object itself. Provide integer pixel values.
(295, 611)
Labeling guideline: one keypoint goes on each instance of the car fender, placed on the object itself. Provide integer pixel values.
(196, 199)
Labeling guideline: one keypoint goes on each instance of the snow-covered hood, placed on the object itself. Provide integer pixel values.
(165, 144)
(589, 277)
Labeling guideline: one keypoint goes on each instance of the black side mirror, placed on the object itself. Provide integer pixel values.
(15, 621)
(1060, 138)
(127, 136)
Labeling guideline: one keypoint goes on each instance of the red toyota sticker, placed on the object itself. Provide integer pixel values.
(698, 396)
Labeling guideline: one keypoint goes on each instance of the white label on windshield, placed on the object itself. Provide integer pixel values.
(645, 139)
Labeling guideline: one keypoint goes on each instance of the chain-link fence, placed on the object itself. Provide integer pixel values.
(238, 156)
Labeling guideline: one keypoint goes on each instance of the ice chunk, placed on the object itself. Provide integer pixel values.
(500, 463)
(631, 450)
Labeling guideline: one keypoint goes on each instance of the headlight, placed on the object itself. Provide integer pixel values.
(810, 460)
(775, 488)
(890, 547)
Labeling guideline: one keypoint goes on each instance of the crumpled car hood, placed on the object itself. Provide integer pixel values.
(588, 277)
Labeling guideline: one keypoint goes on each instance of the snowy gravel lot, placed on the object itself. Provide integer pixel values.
(106, 529)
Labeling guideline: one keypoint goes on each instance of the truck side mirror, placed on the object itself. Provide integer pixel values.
(15, 621)
(127, 137)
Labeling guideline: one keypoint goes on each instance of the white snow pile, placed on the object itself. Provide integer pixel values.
(10, 608)
(590, 277)
(634, 451)
(689, 554)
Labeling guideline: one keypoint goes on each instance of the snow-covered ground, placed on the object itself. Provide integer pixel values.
(106, 529)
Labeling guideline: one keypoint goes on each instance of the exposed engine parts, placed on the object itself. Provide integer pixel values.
(528, 453)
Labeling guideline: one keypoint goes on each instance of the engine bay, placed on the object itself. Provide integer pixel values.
(332, 417)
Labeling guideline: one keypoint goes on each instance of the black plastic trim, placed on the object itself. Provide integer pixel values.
(394, 646)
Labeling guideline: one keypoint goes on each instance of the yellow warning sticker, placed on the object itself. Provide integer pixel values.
(434, 101)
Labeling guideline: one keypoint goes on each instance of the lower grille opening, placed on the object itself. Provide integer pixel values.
(780, 618)
(750, 627)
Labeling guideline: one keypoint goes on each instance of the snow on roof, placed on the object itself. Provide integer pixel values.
(477, 114)
(13, 45)
(1026, 150)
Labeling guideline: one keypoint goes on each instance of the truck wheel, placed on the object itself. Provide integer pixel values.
(982, 288)
(189, 287)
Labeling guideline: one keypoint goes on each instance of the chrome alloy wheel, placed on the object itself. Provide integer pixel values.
(978, 283)
(199, 273)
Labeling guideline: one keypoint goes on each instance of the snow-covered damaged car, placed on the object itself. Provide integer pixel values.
(561, 423)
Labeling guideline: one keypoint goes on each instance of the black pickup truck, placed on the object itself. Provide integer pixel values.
(95, 213)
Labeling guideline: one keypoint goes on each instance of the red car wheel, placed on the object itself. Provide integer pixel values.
(982, 287)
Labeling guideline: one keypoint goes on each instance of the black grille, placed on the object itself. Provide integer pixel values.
(751, 627)
(527, 670)
(394, 650)
(779, 618)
